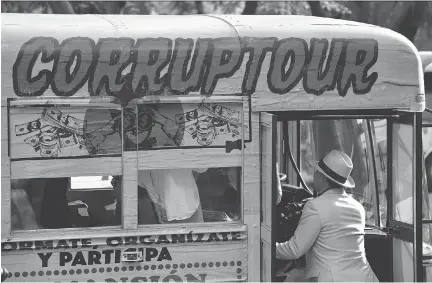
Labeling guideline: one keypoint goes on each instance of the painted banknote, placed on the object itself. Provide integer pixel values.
(221, 112)
(59, 119)
(29, 127)
(33, 141)
(66, 138)
(188, 116)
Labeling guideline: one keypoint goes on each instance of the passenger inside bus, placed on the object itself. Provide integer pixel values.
(209, 195)
(166, 196)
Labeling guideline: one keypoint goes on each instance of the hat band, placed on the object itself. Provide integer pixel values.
(331, 173)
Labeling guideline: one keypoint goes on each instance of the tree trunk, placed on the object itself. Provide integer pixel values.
(408, 17)
(114, 7)
(199, 7)
(250, 8)
(316, 9)
(131, 8)
(61, 7)
(364, 11)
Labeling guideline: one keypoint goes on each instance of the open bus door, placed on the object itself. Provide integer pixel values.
(405, 203)
(268, 133)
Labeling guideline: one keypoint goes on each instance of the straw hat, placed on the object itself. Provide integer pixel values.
(336, 166)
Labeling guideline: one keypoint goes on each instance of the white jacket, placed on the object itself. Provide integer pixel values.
(331, 234)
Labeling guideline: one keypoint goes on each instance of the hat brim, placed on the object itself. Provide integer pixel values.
(348, 184)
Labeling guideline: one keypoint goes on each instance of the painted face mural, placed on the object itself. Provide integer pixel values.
(144, 127)
(152, 125)
(137, 127)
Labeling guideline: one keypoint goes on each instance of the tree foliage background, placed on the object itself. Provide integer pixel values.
(413, 19)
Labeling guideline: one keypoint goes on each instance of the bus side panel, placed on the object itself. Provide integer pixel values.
(179, 258)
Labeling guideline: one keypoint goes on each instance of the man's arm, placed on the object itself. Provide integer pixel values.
(304, 236)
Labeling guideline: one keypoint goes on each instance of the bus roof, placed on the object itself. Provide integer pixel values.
(281, 62)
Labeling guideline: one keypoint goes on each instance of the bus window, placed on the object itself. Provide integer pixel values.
(63, 203)
(379, 134)
(173, 187)
(402, 162)
(56, 143)
(379, 142)
(318, 137)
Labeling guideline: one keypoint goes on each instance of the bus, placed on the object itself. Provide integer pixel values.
(147, 148)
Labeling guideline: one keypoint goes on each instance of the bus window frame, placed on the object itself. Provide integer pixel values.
(141, 154)
(367, 114)
(53, 102)
(126, 225)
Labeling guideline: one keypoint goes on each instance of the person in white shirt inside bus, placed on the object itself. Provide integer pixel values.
(173, 193)
(331, 228)
(165, 196)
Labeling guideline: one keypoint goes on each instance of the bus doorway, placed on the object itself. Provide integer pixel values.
(382, 146)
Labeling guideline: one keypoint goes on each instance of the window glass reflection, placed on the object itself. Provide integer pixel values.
(403, 193)
(319, 137)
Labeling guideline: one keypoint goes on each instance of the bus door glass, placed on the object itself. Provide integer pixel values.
(402, 198)
(355, 137)
(318, 137)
